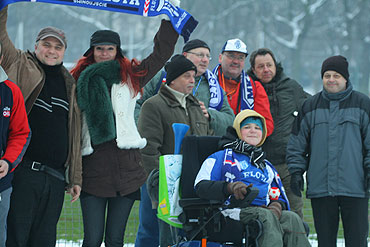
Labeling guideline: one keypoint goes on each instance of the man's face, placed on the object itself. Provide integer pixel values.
(200, 57)
(184, 83)
(232, 63)
(50, 51)
(264, 68)
(104, 53)
(334, 82)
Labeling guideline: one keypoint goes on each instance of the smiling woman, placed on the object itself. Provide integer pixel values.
(108, 85)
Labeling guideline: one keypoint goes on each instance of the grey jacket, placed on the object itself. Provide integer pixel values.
(219, 120)
(331, 141)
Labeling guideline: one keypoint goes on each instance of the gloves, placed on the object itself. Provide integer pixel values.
(275, 208)
(238, 189)
(296, 183)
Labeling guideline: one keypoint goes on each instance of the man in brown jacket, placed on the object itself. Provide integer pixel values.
(173, 104)
(49, 94)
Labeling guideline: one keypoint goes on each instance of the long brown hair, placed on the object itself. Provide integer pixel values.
(127, 69)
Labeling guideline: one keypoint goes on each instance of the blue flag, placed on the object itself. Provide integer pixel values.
(181, 20)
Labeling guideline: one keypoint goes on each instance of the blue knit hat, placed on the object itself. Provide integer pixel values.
(254, 120)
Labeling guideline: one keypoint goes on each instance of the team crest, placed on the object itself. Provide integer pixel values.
(6, 111)
(237, 44)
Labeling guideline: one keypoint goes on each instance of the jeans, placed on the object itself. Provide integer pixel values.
(148, 232)
(93, 214)
(354, 213)
(35, 207)
(4, 208)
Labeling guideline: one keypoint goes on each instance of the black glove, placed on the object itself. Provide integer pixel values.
(296, 183)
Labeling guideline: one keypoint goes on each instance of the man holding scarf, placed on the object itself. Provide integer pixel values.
(242, 92)
(52, 162)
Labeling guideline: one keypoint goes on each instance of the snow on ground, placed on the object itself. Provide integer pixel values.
(65, 243)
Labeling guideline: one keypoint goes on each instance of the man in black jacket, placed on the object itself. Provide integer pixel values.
(286, 96)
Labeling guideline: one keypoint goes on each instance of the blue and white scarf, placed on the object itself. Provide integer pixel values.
(181, 20)
(247, 99)
(217, 97)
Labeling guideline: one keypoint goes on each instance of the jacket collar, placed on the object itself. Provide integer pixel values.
(340, 95)
(3, 75)
(171, 100)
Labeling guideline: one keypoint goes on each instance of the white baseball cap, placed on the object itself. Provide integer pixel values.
(235, 45)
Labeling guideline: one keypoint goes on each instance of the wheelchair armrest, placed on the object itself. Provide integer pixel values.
(199, 203)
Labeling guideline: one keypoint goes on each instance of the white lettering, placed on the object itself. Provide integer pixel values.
(181, 19)
(256, 175)
(132, 2)
(86, 2)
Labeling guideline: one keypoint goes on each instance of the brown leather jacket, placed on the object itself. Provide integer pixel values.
(23, 68)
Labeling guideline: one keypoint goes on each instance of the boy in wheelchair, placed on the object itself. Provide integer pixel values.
(227, 175)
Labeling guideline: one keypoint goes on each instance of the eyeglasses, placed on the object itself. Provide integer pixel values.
(201, 55)
(237, 57)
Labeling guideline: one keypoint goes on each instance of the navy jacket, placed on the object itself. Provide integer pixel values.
(15, 131)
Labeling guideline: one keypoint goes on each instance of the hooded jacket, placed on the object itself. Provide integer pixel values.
(227, 166)
(22, 67)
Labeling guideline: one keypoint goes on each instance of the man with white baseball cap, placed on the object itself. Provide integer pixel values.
(242, 92)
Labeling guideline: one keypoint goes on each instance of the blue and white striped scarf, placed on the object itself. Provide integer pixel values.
(247, 99)
(181, 20)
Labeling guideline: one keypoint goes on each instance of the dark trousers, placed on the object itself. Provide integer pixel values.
(354, 214)
(93, 213)
(35, 206)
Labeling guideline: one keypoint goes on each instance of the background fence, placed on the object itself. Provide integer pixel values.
(70, 227)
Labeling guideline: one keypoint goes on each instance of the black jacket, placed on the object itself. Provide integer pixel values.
(286, 96)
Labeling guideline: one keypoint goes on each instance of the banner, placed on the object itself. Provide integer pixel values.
(181, 20)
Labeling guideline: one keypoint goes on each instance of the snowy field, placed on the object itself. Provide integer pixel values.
(63, 243)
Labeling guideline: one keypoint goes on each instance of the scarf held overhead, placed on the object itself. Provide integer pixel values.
(181, 20)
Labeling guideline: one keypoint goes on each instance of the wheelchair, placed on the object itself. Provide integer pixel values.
(203, 223)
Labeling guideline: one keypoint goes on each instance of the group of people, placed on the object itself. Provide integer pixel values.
(99, 130)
